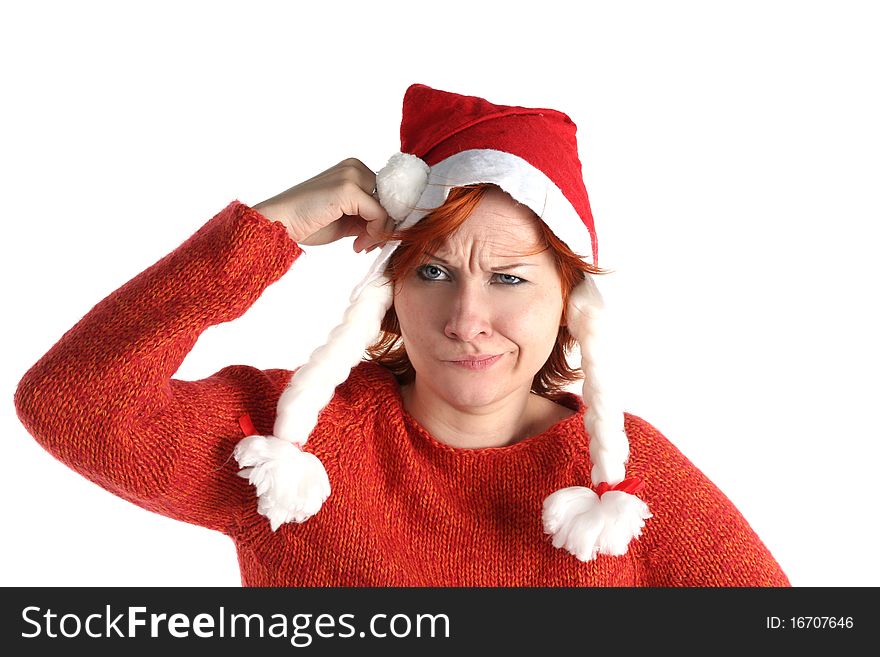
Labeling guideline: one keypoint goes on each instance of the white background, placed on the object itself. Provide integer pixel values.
(730, 151)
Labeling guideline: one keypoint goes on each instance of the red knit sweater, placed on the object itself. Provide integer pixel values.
(405, 509)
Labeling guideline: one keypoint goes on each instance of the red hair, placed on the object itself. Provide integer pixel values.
(429, 235)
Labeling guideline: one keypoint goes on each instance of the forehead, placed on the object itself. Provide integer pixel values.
(497, 225)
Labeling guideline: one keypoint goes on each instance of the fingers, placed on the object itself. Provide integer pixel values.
(381, 232)
(357, 200)
(362, 204)
(359, 173)
(374, 234)
(361, 178)
(346, 191)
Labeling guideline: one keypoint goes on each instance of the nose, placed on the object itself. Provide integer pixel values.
(469, 314)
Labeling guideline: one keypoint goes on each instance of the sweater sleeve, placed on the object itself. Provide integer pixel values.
(697, 537)
(102, 399)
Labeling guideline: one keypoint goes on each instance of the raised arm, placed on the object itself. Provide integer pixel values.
(102, 399)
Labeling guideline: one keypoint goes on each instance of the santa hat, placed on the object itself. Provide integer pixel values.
(450, 140)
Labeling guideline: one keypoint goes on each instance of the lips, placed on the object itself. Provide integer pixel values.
(479, 362)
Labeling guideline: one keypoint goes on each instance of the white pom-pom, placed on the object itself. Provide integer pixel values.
(625, 516)
(587, 525)
(291, 484)
(568, 519)
(400, 184)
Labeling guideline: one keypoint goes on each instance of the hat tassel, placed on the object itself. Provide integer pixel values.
(291, 483)
(583, 521)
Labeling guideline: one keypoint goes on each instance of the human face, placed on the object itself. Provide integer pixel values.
(479, 297)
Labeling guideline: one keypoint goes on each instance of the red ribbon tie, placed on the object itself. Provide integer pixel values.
(632, 486)
(247, 426)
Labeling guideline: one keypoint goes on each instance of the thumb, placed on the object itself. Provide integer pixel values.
(374, 233)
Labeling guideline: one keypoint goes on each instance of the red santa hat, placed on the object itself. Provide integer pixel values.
(450, 140)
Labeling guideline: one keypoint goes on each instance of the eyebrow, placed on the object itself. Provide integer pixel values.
(500, 267)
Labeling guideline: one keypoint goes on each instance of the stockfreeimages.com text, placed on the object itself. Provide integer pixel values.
(300, 629)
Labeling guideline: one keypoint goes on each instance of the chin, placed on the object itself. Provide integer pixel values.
(473, 390)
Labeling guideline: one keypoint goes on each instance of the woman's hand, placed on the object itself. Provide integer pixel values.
(334, 204)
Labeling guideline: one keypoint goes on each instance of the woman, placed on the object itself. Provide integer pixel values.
(455, 456)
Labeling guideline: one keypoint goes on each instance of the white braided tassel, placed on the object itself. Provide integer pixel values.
(586, 522)
(292, 484)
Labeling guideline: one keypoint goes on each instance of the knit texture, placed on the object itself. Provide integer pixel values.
(406, 509)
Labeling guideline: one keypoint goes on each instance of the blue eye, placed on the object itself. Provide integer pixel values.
(506, 279)
(429, 272)
(434, 273)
